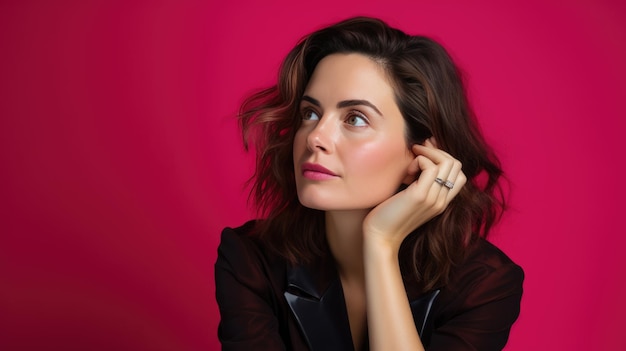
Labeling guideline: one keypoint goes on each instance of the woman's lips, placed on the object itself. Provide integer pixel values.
(314, 171)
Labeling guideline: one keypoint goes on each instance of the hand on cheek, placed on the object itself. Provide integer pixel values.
(434, 178)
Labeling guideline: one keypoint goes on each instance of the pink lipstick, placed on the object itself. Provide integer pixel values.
(314, 171)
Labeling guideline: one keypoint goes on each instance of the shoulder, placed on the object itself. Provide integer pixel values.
(484, 258)
(243, 261)
(486, 275)
(249, 286)
(238, 240)
(477, 308)
(484, 253)
(240, 246)
(243, 253)
(488, 268)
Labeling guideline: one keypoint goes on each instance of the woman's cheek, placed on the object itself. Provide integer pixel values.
(381, 165)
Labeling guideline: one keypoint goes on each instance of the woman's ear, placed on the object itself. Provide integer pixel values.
(412, 168)
(431, 142)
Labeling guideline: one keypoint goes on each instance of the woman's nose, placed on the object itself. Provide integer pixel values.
(321, 137)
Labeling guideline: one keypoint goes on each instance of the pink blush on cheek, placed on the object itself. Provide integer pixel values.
(378, 165)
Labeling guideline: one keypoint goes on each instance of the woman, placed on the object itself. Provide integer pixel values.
(377, 191)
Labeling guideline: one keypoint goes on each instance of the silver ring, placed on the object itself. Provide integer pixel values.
(448, 184)
(439, 181)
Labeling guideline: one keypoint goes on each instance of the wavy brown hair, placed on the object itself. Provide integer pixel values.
(430, 94)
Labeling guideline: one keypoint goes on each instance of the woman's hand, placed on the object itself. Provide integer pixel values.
(426, 197)
(390, 322)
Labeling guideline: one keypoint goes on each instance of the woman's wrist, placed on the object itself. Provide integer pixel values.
(380, 247)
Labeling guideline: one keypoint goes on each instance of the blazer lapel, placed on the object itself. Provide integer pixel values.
(318, 304)
(421, 308)
(315, 296)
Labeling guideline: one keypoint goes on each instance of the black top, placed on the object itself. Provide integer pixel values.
(265, 304)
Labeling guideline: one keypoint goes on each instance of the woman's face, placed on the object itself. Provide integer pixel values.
(350, 150)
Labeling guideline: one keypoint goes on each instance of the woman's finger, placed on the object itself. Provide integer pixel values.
(448, 177)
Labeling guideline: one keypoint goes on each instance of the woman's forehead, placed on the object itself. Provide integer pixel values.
(348, 76)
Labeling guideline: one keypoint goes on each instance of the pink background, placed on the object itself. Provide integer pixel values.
(121, 160)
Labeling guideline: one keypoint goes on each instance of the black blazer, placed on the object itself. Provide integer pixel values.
(265, 304)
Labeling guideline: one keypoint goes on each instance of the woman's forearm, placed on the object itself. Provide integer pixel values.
(389, 318)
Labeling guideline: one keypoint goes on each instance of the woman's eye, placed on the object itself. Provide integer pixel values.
(356, 120)
(310, 115)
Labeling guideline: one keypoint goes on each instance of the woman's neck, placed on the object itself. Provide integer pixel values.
(344, 233)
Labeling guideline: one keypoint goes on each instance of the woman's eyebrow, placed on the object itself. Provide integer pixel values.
(311, 100)
(345, 103)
